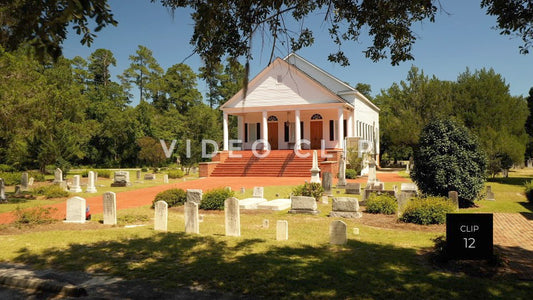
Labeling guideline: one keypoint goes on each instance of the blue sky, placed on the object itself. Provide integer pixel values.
(462, 38)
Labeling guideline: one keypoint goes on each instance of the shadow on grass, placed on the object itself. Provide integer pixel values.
(520, 181)
(357, 270)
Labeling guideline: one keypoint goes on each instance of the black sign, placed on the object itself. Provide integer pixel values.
(469, 236)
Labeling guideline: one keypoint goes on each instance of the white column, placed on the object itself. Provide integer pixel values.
(297, 129)
(226, 131)
(350, 124)
(340, 128)
(264, 124)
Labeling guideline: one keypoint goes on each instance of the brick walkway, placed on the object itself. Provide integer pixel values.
(513, 234)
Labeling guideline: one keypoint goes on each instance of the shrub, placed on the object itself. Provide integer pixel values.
(11, 178)
(314, 190)
(6, 168)
(214, 199)
(37, 176)
(351, 174)
(424, 211)
(381, 204)
(449, 158)
(173, 197)
(51, 191)
(529, 190)
(34, 216)
(175, 174)
(144, 169)
(101, 173)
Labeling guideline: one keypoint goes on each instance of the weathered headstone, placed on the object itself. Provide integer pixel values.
(243, 190)
(345, 207)
(161, 216)
(325, 199)
(454, 197)
(408, 187)
(24, 182)
(407, 168)
(3, 198)
(303, 205)
(30, 181)
(327, 182)
(76, 210)
(58, 175)
(337, 233)
(194, 195)
(138, 174)
(282, 230)
(110, 208)
(149, 176)
(266, 223)
(490, 194)
(76, 187)
(258, 192)
(353, 188)
(356, 231)
(371, 172)
(377, 186)
(315, 171)
(192, 224)
(342, 172)
(121, 179)
(17, 190)
(403, 199)
(233, 217)
(90, 184)
(165, 178)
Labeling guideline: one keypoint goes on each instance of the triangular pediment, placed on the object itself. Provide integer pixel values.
(282, 84)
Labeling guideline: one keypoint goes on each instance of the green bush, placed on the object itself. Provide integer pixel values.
(529, 190)
(51, 191)
(175, 174)
(173, 197)
(11, 178)
(351, 174)
(381, 204)
(449, 158)
(214, 199)
(37, 176)
(424, 211)
(6, 168)
(144, 169)
(101, 173)
(314, 190)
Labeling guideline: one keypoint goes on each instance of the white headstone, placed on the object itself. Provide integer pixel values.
(90, 184)
(258, 192)
(192, 224)
(76, 210)
(2, 191)
(337, 233)
(266, 223)
(30, 181)
(161, 216)
(110, 208)
(342, 172)
(120, 178)
(371, 172)
(315, 171)
(282, 230)
(165, 178)
(76, 188)
(411, 187)
(194, 195)
(58, 175)
(233, 217)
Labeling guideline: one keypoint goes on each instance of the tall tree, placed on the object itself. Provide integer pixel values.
(143, 71)
(99, 63)
(179, 89)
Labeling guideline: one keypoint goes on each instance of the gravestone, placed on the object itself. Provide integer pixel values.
(376, 186)
(371, 172)
(161, 216)
(407, 169)
(367, 193)
(58, 175)
(469, 236)
(165, 178)
(192, 224)
(282, 230)
(315, 171)
(345, 207)
(243, 190)
(266, 223)
(327, 182)
(121, 179)
(303, 205)
(76, 208)
(356, 231)
(342, 172)
(30, 181)
(353, 188)
(3, 198)
(24, 182)
(325, 199)
(149, 176)
(490, 194)
(110, 208)
(138, 175)
(90, 184)
(227, 188)
(194, 195)
(258, 192)
(403, 199)
(17, 190)
(454, 197)
(232, 217)
(337, 233)
(409, 187)
(76, 188)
